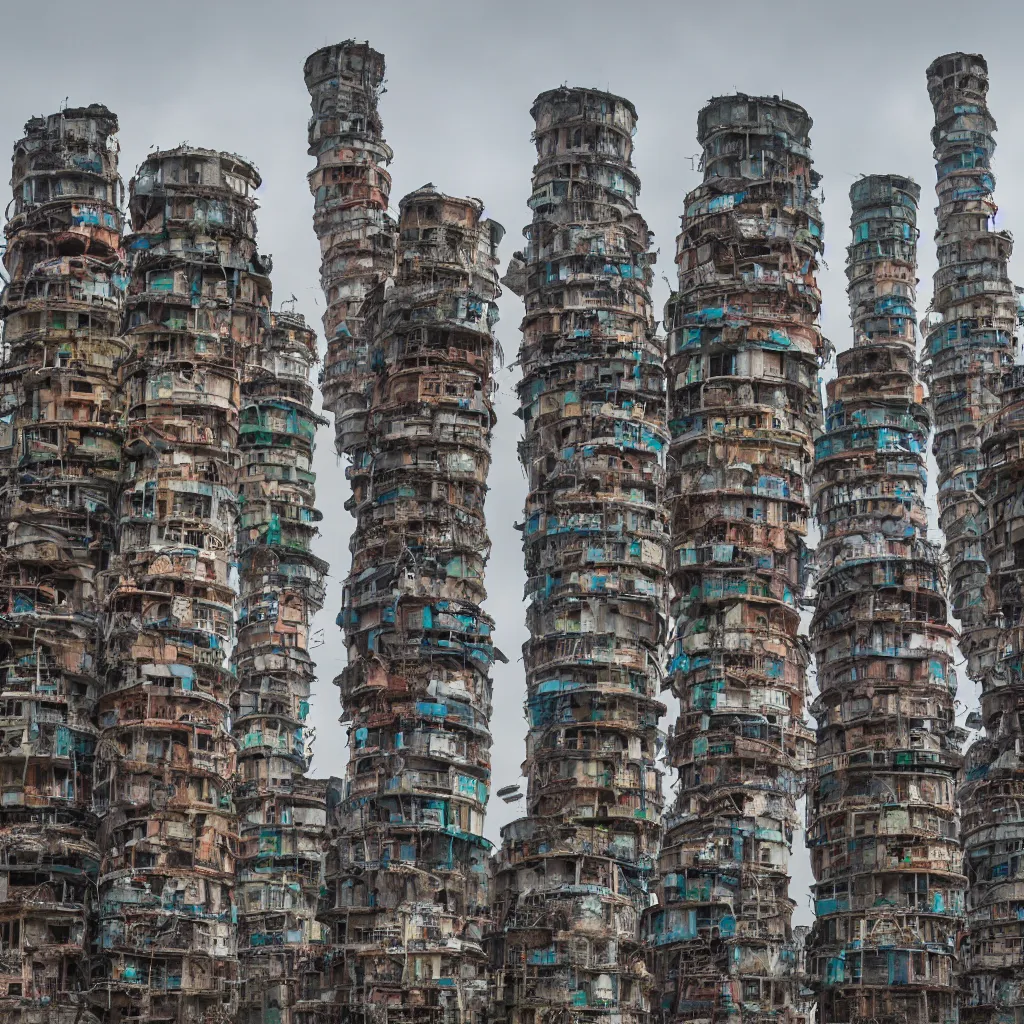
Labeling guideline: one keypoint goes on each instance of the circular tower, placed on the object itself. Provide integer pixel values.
(881, 813)
(350, 186)
(59, 460)
(970, 336)
(573, 875)
(744, 354)
(281, 812)
(406, 897)
(166, 761)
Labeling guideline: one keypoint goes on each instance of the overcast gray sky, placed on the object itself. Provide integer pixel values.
(461, 78)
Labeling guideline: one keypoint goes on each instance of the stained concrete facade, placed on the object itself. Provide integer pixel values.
(881, 813)
(743, 361)
(59, 465)
(573, 876)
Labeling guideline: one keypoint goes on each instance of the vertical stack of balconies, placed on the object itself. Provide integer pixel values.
(970, 338)
(350, 186)
(881, 815)
(406, 880)
(572, 878)
(166, 760)
(59, 462)
(744, 409)
(281, 813)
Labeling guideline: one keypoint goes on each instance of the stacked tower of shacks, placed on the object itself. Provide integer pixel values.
(573, 875)
(992, 962)
(350, 186)
(59, 463)
(881, 816)
(166, 761)
(743, 364)
(970, 337)
(281, 813)
(407, 882)
(971, 345)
